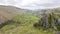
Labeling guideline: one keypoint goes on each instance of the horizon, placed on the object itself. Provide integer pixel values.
(32, 4)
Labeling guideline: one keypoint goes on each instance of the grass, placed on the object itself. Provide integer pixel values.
(23, 29)
(25, 26)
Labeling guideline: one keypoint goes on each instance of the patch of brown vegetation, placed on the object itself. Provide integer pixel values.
(8, 12)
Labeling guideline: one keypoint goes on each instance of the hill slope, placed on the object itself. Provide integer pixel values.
(8, 12)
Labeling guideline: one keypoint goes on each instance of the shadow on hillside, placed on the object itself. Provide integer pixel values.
(5, 23)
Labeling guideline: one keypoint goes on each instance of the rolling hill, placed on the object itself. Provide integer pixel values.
(8, 12)
(22, 24)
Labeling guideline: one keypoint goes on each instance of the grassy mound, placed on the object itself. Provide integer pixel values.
(23, 25)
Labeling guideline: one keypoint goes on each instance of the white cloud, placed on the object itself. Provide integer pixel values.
(31, 4)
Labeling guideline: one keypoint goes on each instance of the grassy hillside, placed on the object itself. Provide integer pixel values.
(19, 21)
(8, 12)
(23, 25)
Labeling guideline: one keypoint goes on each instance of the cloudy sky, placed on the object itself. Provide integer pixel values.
(32, 4)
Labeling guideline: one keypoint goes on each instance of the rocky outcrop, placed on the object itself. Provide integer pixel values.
(49, 21)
